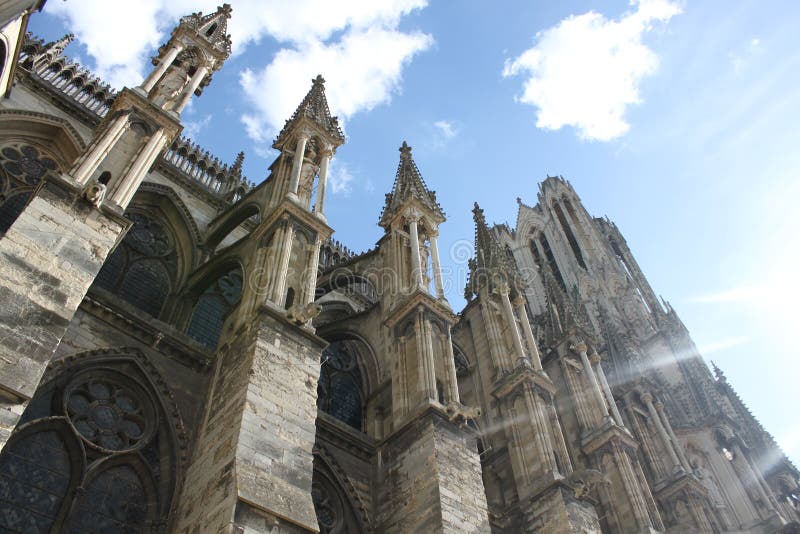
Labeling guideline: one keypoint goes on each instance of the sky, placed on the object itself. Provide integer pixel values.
(675, 118)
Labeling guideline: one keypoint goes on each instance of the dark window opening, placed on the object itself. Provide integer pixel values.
(573, 243)
(22, 168)
(551, 261)
(144, 266)
(214, 306)
(211, 29)
(339, 391)
(289, 298)
(105, 177)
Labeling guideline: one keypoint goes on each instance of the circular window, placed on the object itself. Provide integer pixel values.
(148, 236)
(109, 412)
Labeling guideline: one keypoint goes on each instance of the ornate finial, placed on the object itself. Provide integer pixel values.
(226, 9)
(405, 150)
(519, 201)
(237, 165)
(718, 372)
(478, 213)
(319, 80)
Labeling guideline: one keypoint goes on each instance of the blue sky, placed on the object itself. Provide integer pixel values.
(677, 119)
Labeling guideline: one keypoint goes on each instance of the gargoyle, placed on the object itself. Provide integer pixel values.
(302, 313)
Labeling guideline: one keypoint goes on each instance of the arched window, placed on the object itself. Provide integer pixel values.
(573, 243)
(93, 453)
(22, 168)
(551, 261)
(143, 268)
(335, 513)
(213, 306)
(339, 391)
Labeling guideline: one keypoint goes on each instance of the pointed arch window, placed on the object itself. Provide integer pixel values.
(573, 243)
(339, 390)
(551, 261)
(213, 307)
(143, 268)
(22, 168)
(91, 454)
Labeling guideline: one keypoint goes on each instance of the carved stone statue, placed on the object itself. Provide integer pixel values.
(167, 91)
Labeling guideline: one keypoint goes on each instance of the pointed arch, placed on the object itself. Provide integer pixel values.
(112, 416)
(337, 503)
(52, 133)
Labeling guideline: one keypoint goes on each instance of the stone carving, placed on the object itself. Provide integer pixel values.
(95, 194)
(585, 481)
(302, 313)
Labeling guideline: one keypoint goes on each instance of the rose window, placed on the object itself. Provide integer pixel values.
(148, 236)
(109, 414)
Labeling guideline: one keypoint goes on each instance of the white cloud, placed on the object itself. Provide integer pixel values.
(355, 43)
(339, 178)
(446, 128)
(586, 70)
(362, 69)
(191, 128)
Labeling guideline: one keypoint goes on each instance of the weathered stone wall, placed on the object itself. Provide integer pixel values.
(48, 259)
(432, 480)
(256, 444)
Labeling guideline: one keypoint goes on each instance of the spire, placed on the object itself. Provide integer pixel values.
(314, 107)
(408, 184)
(38, 53)
(491, 263)
(236, 169)
(213, 27)
(57, 47)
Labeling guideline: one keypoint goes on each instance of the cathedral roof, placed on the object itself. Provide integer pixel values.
(408, 184)
(314, 107)
(213, 27)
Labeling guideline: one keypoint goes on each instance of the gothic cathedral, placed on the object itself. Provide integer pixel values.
(182, 350)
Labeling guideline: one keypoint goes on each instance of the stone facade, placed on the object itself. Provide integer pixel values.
(182, 350)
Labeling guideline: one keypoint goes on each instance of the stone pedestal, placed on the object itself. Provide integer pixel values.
(48, 259)
(431, 479)
(254, 453)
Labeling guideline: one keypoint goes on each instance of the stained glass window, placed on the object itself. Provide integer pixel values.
(213, 307)
(47, 484)
(34, 479)
(142, 269)
(339, 390)
(22, 168)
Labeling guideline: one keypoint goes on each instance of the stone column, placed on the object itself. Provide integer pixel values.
(128, 184)
(451, 376)
(189, 90)
(536, 359)
(678, 447)
(297, 163)
(598, 366)
(512, 323)
(159, 71)
(311, 276)
(746, 472)
(283, 266)
(437, 266)
(327, 154)
(98, 153)
(416, 265)
(648, 401)
(427, 374)
(592, 379)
